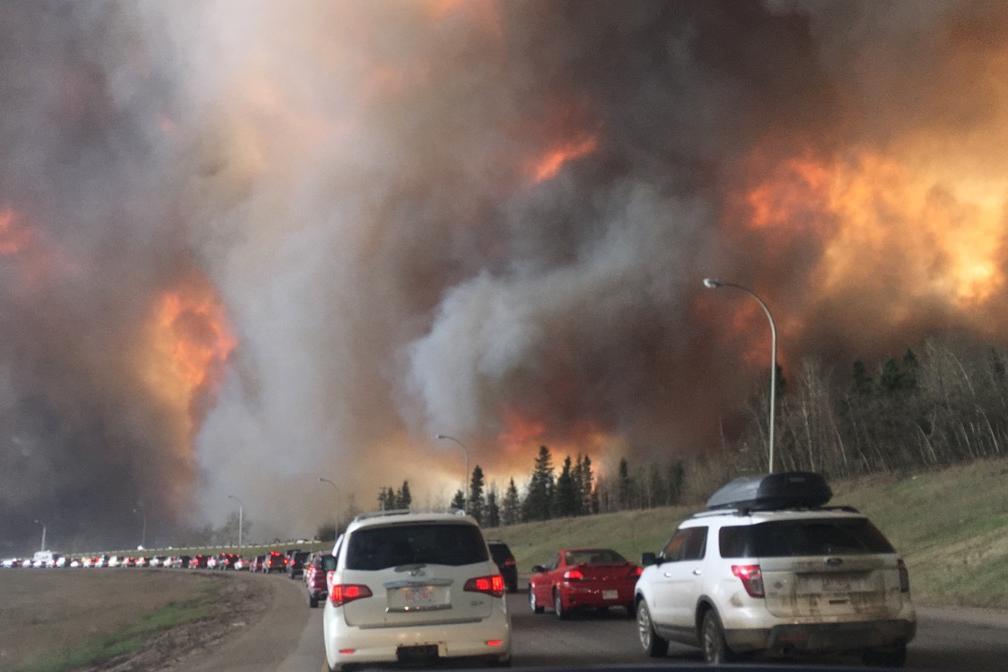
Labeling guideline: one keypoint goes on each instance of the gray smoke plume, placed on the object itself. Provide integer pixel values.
(360, 196)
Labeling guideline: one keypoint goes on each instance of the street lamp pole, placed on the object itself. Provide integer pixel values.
(713, 283)
(39, 522)
(465, 483)
(241, 520)
(336, 488)
(143, 533)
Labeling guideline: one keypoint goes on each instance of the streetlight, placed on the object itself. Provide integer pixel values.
(714, 283)
(39, 522)
(465, 483)
(143, 534)
(241, 520)
(336, 488)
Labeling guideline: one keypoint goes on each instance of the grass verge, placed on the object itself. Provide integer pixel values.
(132, 638)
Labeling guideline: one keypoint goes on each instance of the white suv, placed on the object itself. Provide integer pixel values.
(768, 568)
(414, 587)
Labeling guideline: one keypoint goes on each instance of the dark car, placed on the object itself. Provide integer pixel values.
(273, 562)
(198, 562)
(182, 562)
(505, 561)
(295, 564)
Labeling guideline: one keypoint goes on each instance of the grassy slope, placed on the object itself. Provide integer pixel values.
(950, 525)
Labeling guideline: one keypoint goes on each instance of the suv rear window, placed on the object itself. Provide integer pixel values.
(429, 543)
(791, 538)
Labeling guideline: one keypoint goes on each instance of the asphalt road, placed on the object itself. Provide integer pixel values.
(289, 639)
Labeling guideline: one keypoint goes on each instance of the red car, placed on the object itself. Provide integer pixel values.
(315, 580)
(583, 578)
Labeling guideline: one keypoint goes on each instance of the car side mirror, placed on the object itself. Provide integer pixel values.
(537, 569)
(648, 559)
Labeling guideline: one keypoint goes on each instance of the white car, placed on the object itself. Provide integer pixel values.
(769, 568)
(414, 587)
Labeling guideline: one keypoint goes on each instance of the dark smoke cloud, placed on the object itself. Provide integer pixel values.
(355, 180)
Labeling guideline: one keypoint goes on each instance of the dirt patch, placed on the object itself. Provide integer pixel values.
(49, 616)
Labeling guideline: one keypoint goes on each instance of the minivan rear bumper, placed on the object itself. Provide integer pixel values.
(823, 637)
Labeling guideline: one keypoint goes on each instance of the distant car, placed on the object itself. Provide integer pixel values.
(295, 564)
(768, 568)
(414, 587)
(182, 561)
(240, 563)
(9, 563)
(583, 578)
(198, 561)
(257, 563)
(273, 562)
(505, 562)
(142, 561)
(315, 577)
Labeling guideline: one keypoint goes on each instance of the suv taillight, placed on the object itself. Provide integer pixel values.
(751, 577)
(491, 585)
(573, 575)
(342, 593)
(904, 576)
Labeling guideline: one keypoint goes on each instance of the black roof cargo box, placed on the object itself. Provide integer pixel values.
(791, 489)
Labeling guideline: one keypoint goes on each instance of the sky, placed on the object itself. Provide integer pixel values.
(248, 244)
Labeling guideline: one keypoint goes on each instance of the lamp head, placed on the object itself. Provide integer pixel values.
(441, 436)
(711, 283)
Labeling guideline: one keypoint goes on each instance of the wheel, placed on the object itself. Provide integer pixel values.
(533, 605)
(652, 643)
(895, 657)
(715, 650)
(312, 601)
(558, 607)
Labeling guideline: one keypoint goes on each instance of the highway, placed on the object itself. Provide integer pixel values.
(289, 639)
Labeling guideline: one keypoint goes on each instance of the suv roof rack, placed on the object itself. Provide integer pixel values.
(749, 510)
(380, 514)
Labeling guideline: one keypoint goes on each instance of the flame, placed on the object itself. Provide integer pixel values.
(190, 340)
(549, 164)
(14, 238)
(942, 233)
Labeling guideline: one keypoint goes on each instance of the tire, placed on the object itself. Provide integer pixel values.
(653, 644)
(533, 605)
(712, 641)
(895, 657)
(558, 608)
(312, 601)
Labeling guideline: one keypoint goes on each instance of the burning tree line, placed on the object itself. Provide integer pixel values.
(946, 404)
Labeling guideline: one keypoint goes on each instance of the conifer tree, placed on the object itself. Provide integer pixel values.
(512, 505)
(477, 502)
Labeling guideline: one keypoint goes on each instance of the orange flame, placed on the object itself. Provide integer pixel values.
(190, 341)
(549, 165)
(944, 232)
(13, 237)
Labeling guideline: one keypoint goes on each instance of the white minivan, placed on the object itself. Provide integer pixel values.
(414, 587)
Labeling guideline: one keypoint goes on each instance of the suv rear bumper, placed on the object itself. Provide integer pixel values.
(823, 637)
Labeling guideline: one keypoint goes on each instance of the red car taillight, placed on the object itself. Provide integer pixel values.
(904, 576)
(573, 575)
(491, 585)
(342, 593)
(636, 571)
(751, 577)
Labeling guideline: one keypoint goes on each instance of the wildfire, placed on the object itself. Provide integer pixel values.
(549, 165)
(13, 237)
(941, 233)
(190, 341)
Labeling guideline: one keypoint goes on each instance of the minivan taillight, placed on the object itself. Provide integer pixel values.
(751, 577)
(491, 585)
(342, 593)
(904, 576)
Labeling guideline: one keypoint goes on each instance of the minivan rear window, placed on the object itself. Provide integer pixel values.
(812, 536)
(453, 544)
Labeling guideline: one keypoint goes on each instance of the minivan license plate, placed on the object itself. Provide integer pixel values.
(836, 584)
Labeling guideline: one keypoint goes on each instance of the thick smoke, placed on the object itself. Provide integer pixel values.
(482, 219)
